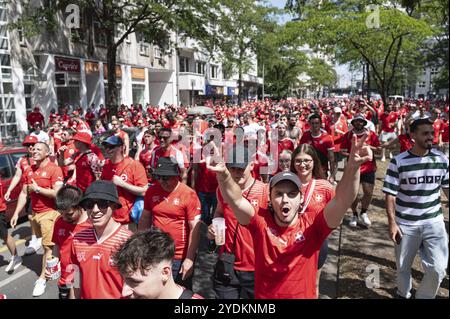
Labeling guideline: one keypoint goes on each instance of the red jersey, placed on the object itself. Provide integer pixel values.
(371, 140)
(437, 126)
(172, 212)
(2, 200)
(63, 233)
(388, 121)
(84, 127)
(206, 181)
(444, 132)
(133, 173)
(322, 144)
(406, 143)
(100, 279)
(172, 152)
(24, 163)
(46, 177)
(335, 129)
(285, 144)
(317, 193)
(87, 166)
(286, 257)
(145, 158)
(69, 152)
(243, 249)
(34, 117)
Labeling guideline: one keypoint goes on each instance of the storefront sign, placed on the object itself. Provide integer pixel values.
(138, 73)
(118, 72)
(67, 65)
(232, 91)
(91, 67)
(214, 90)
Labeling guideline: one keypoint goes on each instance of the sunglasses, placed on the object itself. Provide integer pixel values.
(163, 137)
(163, 178)
(101, 204)
(110, 147)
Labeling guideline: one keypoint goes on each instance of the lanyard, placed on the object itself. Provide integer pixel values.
(308, 194)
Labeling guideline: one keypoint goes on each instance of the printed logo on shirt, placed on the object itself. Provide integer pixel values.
(176, 201)
(61, 232)
(81, 256)
(299, 237)
(124, 177)
(44, 174)
(319, 198)
(71, 151)
(111, 262)
(155, 199)
(97, 257)
(254, 202)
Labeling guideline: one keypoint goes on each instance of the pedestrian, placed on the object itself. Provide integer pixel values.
(41, 183)
(41, 135)
(73, 219)
(117, 131)
(145, 263)
(413, 204)
(174, 208)
(285, 263)
(93, 248)
(35, 117)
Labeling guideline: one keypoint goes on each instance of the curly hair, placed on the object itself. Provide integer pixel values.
(144, 250)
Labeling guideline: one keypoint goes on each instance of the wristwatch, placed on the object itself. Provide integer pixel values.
(37, 190)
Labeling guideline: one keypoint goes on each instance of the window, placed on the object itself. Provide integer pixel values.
(214, 71)
(144, 48)
(434, 71)
(5, 59)
(422, 84)
(157, 52)
(21, 37)
(5, 168)
(7, 88)
(99, 35)
(60, 79)
(184, 64)
(4, 41)
(200, 67)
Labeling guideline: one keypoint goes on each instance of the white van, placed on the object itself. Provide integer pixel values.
(400, 98)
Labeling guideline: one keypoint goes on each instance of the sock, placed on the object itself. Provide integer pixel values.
(363, 211)
(33, 238)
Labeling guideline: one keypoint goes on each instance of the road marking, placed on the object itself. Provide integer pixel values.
(14, 277)
(18, 243)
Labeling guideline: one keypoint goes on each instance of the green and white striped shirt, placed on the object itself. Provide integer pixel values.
(416, 182)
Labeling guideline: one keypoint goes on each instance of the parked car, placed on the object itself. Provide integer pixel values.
(9, 155)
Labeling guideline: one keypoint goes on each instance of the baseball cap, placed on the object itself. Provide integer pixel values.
(285, 176)
(29, 140)
(113, 140)
(102, 189)
(337, 109)
(82, 137)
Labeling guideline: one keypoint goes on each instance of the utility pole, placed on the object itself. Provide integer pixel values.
(263, 82)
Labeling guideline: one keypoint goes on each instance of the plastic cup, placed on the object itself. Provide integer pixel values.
(53, 268)
(219, 226)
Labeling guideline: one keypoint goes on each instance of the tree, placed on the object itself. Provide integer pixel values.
(354, 33)
(321, 74)
(242, 25)
(154, 20)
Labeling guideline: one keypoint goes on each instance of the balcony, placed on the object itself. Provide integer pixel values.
(191, 81)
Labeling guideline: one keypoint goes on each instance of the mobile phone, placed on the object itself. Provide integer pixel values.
(398, 238)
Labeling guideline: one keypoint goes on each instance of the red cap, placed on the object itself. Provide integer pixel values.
(29, 140)
(82, 137)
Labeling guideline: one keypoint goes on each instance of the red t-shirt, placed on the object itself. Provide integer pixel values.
(45, 177)
(333, 128)
(286, 257)
(172, 212)
(406, 143)
(24, 163)
(63, 233)
(100, 279)
(444, 132)
(437, 126)
(285, 144)
(322, 144)
(322, 193)
(145, 158)
(388, 121)
(34, 117)
(69, 152)
(2, 200)
(86, 166)
(243, 249)
(206, 181)
(133, 173)
(371, 140)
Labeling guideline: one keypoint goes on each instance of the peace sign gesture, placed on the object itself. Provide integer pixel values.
(360, 153)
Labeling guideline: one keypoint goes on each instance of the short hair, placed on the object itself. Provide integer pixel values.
(144, 250)
(68, 197)
(69, 130)
(47, 148)
(416, 123)
(166, 129)
(314, 116)
(150, 132)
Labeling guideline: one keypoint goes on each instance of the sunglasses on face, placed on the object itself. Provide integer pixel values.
(162, 178)
(101, 204)
(163, 137)
(110, 147)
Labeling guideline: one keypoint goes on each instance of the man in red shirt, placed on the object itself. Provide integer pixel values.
(388, 128)
(93, 248)
(287, 244)
(35, 116)
(145, 263)
(65, 151)
(88, 166)
(444, 142)
(73, 219)
(368, 169)
(238, 239)
(127, 174)
(437, 126)
(41, 182)
(322, 143)
(174, 208)
(122, 134)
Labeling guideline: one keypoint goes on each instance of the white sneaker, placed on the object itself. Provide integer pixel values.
(383, 159)
(39, 287)
(354, 221)
(33, 246)
(365, 219)
(391, 156)
(14, 263)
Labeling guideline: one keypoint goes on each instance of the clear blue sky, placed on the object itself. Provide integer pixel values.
(280, 4)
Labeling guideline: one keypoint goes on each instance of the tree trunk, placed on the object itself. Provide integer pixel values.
(240, 84)
(112, 85)
(368, 80)
(363, 86)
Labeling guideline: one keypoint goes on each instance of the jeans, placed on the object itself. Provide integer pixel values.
(432, 243)
(176, 266)
(209, 204)
(243, 288)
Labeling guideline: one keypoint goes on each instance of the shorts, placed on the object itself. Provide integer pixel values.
(45, 222)
(368, 178)
(386, 136)
(3, 225)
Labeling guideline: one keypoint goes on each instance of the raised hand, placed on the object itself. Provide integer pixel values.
(214, 162)
(360, 152)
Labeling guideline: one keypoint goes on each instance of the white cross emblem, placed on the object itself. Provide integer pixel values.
(319, 198)
(81, 256)
(176, 201)
(255, 202)
(299, 237)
